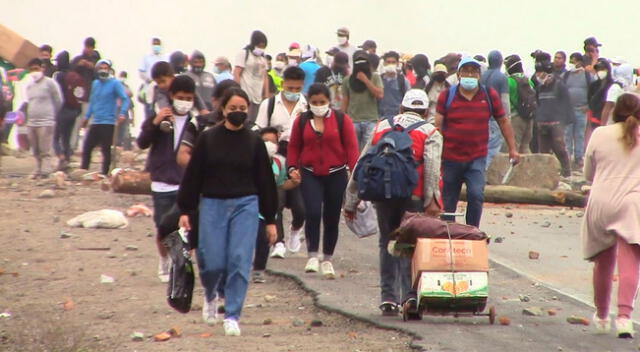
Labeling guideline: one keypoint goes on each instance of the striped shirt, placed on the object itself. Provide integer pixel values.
(465, 125)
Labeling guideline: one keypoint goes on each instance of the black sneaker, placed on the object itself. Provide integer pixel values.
(389, 309)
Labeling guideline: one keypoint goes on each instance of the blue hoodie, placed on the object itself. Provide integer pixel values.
(104, 101)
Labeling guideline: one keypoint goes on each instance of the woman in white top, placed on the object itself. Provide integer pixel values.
(251, 72)
(611, 228)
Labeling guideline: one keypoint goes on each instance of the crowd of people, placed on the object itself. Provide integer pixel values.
(231, 150)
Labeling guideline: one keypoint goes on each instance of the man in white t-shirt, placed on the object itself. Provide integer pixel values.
(251, 72)
(280, 111)
(344, 45)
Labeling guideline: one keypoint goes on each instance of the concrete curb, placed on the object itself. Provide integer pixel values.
(316, 301)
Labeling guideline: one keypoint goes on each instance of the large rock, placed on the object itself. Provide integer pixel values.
(533, 171)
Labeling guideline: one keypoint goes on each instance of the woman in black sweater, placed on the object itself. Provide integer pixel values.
(230, 178)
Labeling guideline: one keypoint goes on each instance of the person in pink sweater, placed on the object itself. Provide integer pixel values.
(611, 227)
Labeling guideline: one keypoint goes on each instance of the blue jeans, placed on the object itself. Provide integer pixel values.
(227, 239)
(574, 135)
(495, 141)
(470, 173)
(364, 131)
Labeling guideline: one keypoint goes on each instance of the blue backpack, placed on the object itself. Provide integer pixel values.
(388, 169)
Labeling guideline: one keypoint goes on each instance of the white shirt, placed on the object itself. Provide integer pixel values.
(281, 119)
(147, 63)
(178, 127)
(253, 74)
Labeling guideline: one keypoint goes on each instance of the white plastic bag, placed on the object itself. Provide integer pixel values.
(100, 219)
(366, 222)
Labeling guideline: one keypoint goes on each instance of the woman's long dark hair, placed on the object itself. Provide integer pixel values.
(421, 66)
(257, 38)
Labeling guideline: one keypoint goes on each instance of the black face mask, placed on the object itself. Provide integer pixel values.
(439, 78)
(237, 118)
(197, 69)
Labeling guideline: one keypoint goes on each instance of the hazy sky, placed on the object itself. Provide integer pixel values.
(123, 28)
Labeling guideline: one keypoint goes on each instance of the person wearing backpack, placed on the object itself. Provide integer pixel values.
(323, 146)
(437, 84)
(251, 72)
(522, 99)
(494, 78)
(280, 111)
(577, 80)
(421, 150)
(395, 86)
(462, 116)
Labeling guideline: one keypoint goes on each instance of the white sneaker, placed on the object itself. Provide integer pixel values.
(278, 251)
(294, 243)
(327, 270)
(603, 326)
(231, 327)
(210, 311)
(312, 265)
(624, 326)
(163, 269)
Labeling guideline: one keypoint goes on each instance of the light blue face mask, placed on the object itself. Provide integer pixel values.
(290, 96)
(469, 83)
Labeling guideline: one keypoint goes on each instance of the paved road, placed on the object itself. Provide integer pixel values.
(356, 290)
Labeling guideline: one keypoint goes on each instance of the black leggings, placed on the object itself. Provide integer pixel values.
(262, 248)
(99, 135)
(322, 200)
(65, 121)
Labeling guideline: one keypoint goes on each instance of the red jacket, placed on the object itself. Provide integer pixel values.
(323, 152)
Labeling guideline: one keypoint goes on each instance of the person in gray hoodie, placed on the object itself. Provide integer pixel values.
(43, 101)
(205, 81)
(494, 78)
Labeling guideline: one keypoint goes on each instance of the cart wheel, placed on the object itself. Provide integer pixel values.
(492, 315)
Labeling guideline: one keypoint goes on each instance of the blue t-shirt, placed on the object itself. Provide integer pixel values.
(310, 68)
(495, 79)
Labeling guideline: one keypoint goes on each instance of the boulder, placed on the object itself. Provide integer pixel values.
(533, 171)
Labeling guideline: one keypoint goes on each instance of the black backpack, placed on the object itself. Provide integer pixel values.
(527, 102)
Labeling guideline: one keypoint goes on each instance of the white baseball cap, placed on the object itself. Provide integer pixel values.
(415, 99)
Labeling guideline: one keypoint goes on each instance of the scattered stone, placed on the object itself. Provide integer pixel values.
(47, 194)
(580, 214)
(499, 240)
(68, 304)
(64, 235)
(578, 320)
(111, 255)
(524, 298)
(298, 322)
(137, 336)
(316, 323)
(509, 214)
(504, 321)
(175, 331)
(161, 337)
(5, 315)
(105, 279)
(533, 311)
(266, 334)
(552, 312)
(546, 224)
(563, 186)
(267, 322)
(269, 298)
(555, 298)
(105, 315)
(131, 247)
(56, 219)
(533, 255)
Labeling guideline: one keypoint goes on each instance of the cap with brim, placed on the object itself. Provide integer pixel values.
(468, 61)
(333, 51)
(294, 53)
(440, 68)
(592, 41)
(368, 44)
(104, 61)
(343, 32)
(221, 60)
(415, 99)
(294, 45)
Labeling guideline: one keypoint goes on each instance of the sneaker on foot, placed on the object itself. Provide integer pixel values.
(163, 269)
(389, 309)
(258, 277)
(327, 270)
(603, 326)
(624, 326)
(294, 243)
(210, 311)
(278, 251)
(231, 327)
(312, 265)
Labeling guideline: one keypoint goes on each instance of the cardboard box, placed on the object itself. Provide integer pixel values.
(444, 255)
(16, 49)
(449, 285)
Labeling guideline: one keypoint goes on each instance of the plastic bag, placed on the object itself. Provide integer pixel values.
(181, 276)
(366, 222)
(100, 219)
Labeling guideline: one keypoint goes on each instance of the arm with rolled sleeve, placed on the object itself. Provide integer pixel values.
(265, 181)
(432, 162)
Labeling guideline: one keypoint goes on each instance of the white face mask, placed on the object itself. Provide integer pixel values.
(279, 65)
(182, 107)
(390, 68)
(258, 52)
(272, 148)
(342, 40)
(319, 110)
(36, 75)
(602, 74)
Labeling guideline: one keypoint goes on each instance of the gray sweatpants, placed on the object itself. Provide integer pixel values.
(41, 139)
